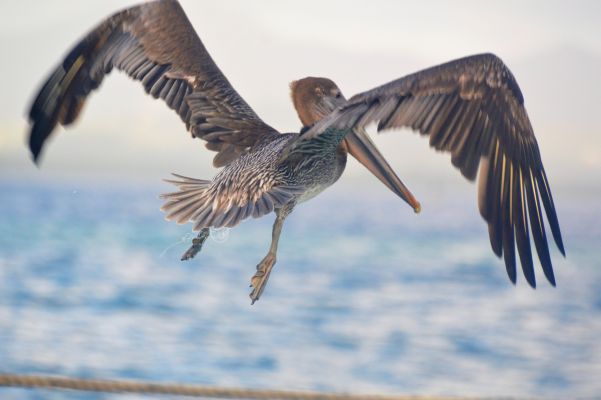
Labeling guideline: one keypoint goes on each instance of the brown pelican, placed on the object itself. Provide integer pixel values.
(471, 107)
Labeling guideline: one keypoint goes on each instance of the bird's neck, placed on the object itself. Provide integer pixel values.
(305, 128)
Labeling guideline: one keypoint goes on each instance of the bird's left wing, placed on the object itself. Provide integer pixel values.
(153, 43)
(474, 109)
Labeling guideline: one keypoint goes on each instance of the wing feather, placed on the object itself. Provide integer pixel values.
(155, 44)
(474, 109)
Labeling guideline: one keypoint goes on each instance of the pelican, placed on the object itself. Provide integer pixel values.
(471, 107)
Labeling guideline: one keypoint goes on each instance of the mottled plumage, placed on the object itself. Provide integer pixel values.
(471, 107)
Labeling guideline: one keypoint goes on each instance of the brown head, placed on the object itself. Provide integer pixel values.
(314, 98)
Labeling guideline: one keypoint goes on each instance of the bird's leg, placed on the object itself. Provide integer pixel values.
(197, 243)
(259, 280)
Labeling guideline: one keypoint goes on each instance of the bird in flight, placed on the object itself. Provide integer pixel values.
(470, 107)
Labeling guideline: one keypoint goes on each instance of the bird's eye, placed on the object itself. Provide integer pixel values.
(338, 95)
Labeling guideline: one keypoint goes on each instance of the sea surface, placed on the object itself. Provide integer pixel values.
(366, 297)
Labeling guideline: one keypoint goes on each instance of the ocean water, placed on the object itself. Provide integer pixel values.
(365, 298)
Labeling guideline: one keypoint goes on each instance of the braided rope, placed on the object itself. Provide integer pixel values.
(127, 386)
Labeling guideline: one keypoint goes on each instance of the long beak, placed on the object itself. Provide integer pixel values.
(364, 150)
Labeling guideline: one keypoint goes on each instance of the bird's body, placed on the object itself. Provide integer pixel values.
(256, 183)
(310, 174)
(470, 107)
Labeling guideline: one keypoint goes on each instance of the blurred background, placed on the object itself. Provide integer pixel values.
(366, 296)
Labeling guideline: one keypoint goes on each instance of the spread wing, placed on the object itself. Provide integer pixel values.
(474, 109)
(155, 44)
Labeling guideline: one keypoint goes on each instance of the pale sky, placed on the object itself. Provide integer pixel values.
(552, 47)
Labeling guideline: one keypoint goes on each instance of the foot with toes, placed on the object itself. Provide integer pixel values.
(197, 243)
(259, 280)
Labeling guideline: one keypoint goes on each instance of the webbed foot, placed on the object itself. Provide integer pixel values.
(197, 243)
(259, 280)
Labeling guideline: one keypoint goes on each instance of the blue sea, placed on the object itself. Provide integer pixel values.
(366, 297)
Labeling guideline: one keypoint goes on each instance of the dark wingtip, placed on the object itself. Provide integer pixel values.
(548, 268)
(545, 193)
(556, 231)
(35, 153)
(36, 159)
(560, 246)
(36, 143)
(510, 268)
(530, 279)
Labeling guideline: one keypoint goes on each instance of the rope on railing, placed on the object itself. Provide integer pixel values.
(141, 387)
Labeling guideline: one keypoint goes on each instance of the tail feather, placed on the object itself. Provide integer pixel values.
(181, 205)
(184, 194)
(204, 204)
(182, 211)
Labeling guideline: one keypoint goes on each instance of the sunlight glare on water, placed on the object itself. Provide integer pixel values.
(366, 297)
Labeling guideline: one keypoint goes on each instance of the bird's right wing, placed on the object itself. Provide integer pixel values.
(155, 44)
